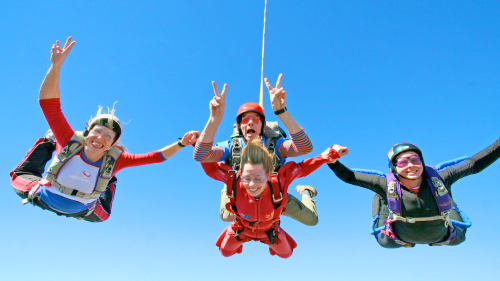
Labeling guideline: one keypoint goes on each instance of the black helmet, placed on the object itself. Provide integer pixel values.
(400, 148)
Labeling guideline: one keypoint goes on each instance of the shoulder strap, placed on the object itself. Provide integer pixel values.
(276, 192)
(235, 153)
(231, 191)
(393, 191)
(439, 190)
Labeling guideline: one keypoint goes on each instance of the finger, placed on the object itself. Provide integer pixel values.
(223, 94)
(67, 42)
(278, 83)
(268, 85)
(57, 43)
(216, 91)
(68, 48)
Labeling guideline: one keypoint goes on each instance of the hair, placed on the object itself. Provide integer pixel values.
(255, 153)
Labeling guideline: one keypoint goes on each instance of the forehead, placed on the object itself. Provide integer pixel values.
(252, 169)
(406, 154)
(250, 115)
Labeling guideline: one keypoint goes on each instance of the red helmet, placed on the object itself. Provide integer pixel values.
(251, 107)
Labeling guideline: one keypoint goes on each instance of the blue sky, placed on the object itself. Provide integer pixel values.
(364, 74)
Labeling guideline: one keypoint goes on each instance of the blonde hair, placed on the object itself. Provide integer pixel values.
(256, 153)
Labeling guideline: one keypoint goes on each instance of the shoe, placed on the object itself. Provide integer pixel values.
(300, 188)
(49, 136)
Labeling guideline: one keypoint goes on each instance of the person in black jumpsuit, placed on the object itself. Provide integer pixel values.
(417, 199)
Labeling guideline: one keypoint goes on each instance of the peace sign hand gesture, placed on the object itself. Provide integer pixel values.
(277, 95)
(59, 54)
(218, 102)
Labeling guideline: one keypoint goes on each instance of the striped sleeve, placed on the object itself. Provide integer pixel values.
(206, 152)
(301, 142)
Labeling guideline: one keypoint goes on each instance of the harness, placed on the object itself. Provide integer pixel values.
(277, 200)
(272, 132)
(72, 148)
(443, 201)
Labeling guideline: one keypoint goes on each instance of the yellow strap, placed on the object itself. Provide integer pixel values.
(261, 97)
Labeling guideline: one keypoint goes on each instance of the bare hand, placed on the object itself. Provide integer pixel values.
(190, 138)
(277, 95)
(218, 102)
(59, 54)
(338, 151)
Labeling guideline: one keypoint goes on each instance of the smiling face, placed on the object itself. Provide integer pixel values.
(250, 125)
(99, 140)
(254, 179)
(412, 170)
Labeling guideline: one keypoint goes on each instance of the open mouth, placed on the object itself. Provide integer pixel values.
(97, 145)
(250, 131)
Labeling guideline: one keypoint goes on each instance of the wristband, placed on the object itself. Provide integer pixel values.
(278, 112)
(180, 144)
(333, 154)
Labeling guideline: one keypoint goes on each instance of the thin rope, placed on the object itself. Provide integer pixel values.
(261, 97)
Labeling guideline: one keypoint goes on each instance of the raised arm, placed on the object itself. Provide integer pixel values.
(204, 150)
(300, 143)
(50, 85)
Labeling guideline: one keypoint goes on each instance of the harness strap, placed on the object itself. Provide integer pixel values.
(276, 194)
(236, 154)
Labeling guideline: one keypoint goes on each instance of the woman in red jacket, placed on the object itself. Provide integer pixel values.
(257, 198)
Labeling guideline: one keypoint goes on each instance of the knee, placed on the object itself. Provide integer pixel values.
(226, 216)
(387, 242)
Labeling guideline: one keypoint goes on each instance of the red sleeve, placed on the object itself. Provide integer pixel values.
(130, 160)
(292, 170)
(213, 170)
(51, 109)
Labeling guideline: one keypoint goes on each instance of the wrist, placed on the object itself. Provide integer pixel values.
(280, 111)
(179, 143)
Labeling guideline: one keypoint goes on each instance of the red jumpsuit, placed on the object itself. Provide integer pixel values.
(257, 215)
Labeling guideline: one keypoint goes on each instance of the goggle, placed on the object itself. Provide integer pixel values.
(99, 130)
(256, 179)
(247, 119)
(403, 161)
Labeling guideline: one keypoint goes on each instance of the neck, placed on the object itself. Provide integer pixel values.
(91, 156)
(410, 183)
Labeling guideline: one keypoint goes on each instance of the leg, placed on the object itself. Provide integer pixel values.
(225, 215)
(283, 249)
(379, 207)
(101, 209)
(305, 211)
(31, 168)
(229, 245)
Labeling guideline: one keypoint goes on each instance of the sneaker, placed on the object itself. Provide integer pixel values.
(49, 136)
(301, 188)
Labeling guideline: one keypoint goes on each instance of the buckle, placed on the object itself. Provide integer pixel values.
(279, 200)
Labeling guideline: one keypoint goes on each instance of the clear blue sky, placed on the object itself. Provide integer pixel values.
(364, 74)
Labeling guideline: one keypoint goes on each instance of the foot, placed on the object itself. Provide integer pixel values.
(301, 188)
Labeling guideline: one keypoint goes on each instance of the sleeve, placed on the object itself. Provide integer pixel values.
(214, 171)
(292, 170)
(130, 160)
(372, 182)
(299, 145)
(51, 109)
(473, 165)
(205, 152)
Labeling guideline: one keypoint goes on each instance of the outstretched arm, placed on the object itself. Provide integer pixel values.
(50, 85)
(189, 138)
(204, 151)
(300, 143)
